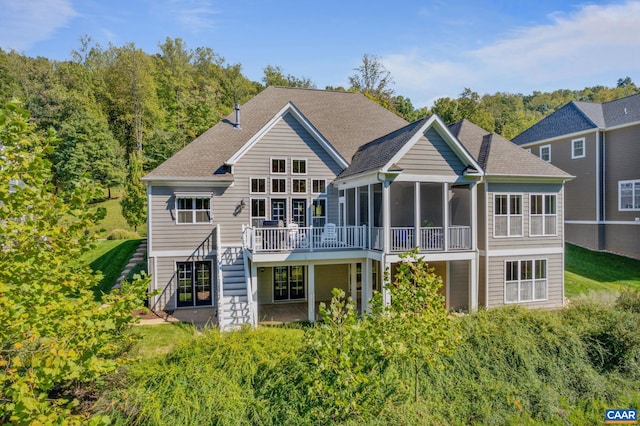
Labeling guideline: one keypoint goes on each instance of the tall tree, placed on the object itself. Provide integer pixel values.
(55, 334)
(134, 201)
(373, 80)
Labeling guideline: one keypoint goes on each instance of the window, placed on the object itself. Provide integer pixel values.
(258, 211)
(507, 215)
(278, 166)
(629, 194)
(542, 209)
(279, 209)
(577, 148)
(318, 186)
(258, 186)
(194, 284)
(278, 186)
(319, 213)
(545, 153)
(525, 280)
(288, 283)
(299, 186)
(299, 167)
(193, 210)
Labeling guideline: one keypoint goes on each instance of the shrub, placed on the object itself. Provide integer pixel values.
(629, 300)
(122, 234)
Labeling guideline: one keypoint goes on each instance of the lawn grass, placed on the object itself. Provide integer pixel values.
(589, 271)
(109, 257)
(158, 340)
(114, 219)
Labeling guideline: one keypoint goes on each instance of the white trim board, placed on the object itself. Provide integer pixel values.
(522, 252)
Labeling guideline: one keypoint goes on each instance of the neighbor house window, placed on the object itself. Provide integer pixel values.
(319, 213)
(278, 186)
(629, 194)
(507, 215)
(318, 186)
(278, 166)
(258, 211)
(545, 153)
(525, 280)
(543, 215)
(193, 209)
(288, 283)
(194, 284)
(299, 167)
(258, 186)
(577, 148)
(299, 186)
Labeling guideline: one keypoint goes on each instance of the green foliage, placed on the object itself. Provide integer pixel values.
(134, 201)
(420, 329)
(274, 76)
(122, 234)
(54, 333)
(629, 300)
(108, 258)
(373, 80)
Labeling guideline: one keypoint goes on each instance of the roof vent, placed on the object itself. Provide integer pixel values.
(237, 125)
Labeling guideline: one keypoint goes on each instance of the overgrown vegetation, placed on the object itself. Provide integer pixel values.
(510, 366)
(55, 335)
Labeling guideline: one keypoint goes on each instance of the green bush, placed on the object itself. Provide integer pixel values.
(122, 234)
(136, 270)
(629, 300)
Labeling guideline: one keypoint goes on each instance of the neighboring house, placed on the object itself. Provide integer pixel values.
(311, 190)
(599, 143)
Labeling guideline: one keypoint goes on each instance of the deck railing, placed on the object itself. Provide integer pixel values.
(305, 238)
(402, 238)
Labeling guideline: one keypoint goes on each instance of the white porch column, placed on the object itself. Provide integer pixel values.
(311, 292)
(445, 215)
(473, 285)
(254, 294)
(353, 284)
(386, 216)
(416, 215)
(369, 217)
(474, 216)
(386, 295)
(367, 287)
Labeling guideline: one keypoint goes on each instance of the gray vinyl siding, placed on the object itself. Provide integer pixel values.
(496, 243)
(165, 279)
(431, 155)
(623, 239)
(482, 282)
(166, 233)
(496, 285)
(584, 235)
(622, 158)
(459, 285)
(287, 139)
(581, 192)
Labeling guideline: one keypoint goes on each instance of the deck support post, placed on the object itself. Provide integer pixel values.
(311, 295)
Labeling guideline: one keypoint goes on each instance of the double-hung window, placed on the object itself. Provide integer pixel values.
(319, 212)
(543, 215)
(629, 195)
(193, 209)
(525, 280)
(507, 215)
(545, 153)
(298, 167)
(278, 186)
(258, 211)
(318, 186)
(194, 284)
(299, 186)
(258, 186)
(278, 166)
(577, 148)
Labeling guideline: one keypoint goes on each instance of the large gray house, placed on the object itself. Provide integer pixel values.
(599, 143)
(301, 191)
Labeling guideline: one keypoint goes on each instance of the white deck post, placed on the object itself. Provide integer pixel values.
(386, 216)
(353, 269)
(473, 285)
(367, 287)
(254, 294)
(311, 295)
(416, 221)
(474, 217)
(386, 295)
(445, 215)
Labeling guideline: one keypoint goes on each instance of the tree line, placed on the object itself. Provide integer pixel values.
(118, 110)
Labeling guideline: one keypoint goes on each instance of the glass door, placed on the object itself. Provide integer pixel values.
(299, 211)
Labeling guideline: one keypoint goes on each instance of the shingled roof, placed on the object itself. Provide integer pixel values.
(579, 116)
(499, 157)
(346, 120)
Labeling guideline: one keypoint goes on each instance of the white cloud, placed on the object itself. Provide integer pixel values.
(581, 48)
(26, 22)
(193, 14)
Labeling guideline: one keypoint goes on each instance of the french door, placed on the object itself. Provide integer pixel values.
(288, 283)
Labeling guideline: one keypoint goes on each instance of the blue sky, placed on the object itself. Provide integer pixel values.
(433, 48)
